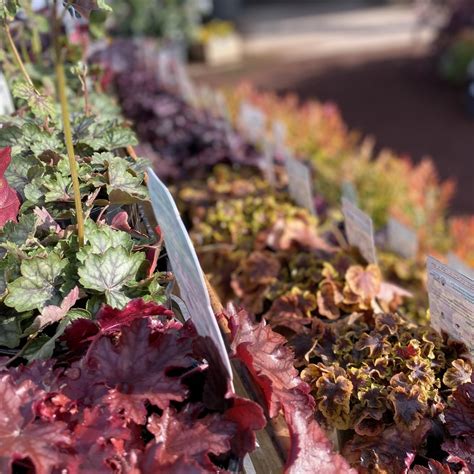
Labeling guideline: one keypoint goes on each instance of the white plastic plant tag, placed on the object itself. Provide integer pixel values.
(300, 183)
(185, 265)
(252, 121)
(166, 68)
(279, 132)
(458, 265)
(359, 230)
(349, 192)
(206, 98)
(186, 87)
(401, 239)
(6, 102)
(221, 106)
(268, 164)
(451, 296)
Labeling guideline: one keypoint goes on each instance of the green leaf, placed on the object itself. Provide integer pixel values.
(10, 135)
(41, 105)
(17, 171)
(111, 138)
(45, 347)
(37, 285)
(85, 7)
(59, 188)
(102, 159)
(156, 291)
(110, 272)
(19, 233)
(39, 141)
(100, 238)
(9, 8)
(39, 348)
(10, 332)
(122, 179)
(33, 191)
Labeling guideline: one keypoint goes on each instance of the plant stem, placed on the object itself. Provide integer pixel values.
(17, 56)
(61, 80)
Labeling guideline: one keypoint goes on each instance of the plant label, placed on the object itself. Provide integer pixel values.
(185, 85)
(300, 183)
(185, 265)
(455, 262)
(6, 102)
(279, 132)
(252, 121)
(268, 164)
(401, 239)
(359, 230)
(166, 69)
(206, 98)
(451, 296)
(349, 192)
(221, 105)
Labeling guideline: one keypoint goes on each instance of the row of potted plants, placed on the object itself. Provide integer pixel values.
(98, 373)
(380, 375)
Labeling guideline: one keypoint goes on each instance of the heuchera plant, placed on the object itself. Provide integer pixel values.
(48, 277)
(124, 394)
(166, 123)
(380, 376)
(276, 258)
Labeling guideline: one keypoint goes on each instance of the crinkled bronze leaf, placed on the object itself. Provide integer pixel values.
(420, 371)
(409, 405)
(458, 374)
(379, 368)
(292, 310)
(329, 297)
(252, 278)
(392, 451)
(375, 342)
(364, 282)
(370, 422)
(387, 323)
(333, 395)
(299, 230)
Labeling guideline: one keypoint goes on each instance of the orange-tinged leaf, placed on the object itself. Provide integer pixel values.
(364, 282)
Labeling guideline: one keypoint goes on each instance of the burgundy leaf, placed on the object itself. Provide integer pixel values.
(135, 368)
(391, 451)
(461, 451)
(460, 417)
(270, 361)
(183, 434)
(112, 319)
(21, 435)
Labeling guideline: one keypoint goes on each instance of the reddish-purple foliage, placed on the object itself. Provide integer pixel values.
(270, 362)
(132, 403)
(460, 424)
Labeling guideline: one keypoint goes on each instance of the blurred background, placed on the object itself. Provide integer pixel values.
(398, 70)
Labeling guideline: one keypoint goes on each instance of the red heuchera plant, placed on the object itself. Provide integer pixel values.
(9, 202)
(270, 362)
(460, 424)
(125, 395)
